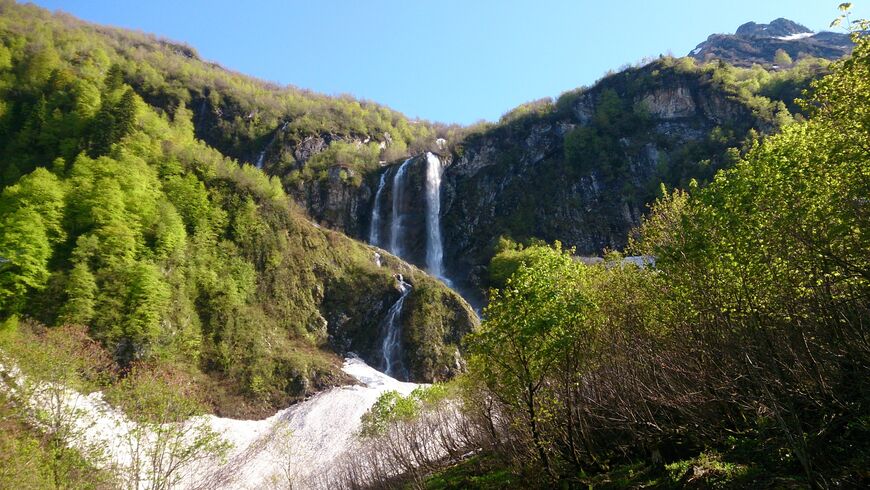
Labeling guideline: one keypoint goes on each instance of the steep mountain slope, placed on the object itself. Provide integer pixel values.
(667, 122)
(115, 216)
(759, 43)
(580, 170)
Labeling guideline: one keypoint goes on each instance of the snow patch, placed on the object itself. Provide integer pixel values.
(296, 446)
(795, 37)
(320, 430)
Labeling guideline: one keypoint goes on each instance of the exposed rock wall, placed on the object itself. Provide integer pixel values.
(514, 180)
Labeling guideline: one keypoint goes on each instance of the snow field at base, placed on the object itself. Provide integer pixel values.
(297, 444)
(321, 429)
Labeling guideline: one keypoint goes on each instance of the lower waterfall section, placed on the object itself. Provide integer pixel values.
(391, 347)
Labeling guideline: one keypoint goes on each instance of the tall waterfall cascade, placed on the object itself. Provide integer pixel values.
(434, 245)
(375, 231)
(396, 229)
(432, 190)
(391, 347)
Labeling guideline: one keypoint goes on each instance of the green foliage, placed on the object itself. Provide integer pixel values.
(724, 361)
(392, 407)
(597, 146)
(532, 325)
(348, 158)
(52, 363)
(710, 467)
(115, 215)
(25, 250)
(28, 461)
(477, 473)
(529, 109)
(781, 58)
(81, 291)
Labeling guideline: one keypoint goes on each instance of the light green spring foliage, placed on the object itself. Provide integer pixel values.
(46, 447)
(760, 284)
(116, 217)
(357, 159)
(168, 439)
(393, 408)
(238, 114)
(789, 217)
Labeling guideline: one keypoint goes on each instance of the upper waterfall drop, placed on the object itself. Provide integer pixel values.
(375, 231)
(396, 223)
(434, 245)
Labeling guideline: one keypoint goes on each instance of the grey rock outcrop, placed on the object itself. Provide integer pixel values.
(758, 44)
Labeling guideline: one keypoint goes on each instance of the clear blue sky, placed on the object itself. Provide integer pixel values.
(449, 60)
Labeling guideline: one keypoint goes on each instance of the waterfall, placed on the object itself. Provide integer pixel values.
(391, 348)
(434, 247)
(398, 195)
(375, 231)
(261, 158)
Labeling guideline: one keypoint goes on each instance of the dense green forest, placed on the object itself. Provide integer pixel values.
(233, 113)
(116, 217)
(739, 359)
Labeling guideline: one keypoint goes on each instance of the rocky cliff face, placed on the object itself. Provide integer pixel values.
(516, 180)
(336, 202)
(758, 44)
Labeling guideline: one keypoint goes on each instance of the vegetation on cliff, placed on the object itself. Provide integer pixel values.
(738, 360)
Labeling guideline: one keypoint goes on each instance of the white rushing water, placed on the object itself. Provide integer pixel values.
(375, 231)
(398, 195)
(434, 246)
(260, 158)
(391, 347)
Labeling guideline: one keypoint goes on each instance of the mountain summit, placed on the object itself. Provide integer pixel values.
(754, 43)
(779, 28)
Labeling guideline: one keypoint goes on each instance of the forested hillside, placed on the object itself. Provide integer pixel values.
(117, 217)
(235, 114)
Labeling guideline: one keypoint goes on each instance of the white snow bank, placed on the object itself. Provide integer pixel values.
(292, 447)
(320, 429)
(795, 37)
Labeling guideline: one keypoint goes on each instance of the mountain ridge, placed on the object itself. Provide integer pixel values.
(754, 43)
